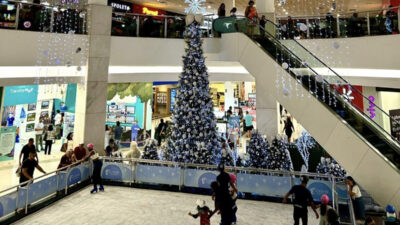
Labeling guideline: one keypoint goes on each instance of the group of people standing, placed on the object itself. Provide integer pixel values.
(48, 132)
(30, 162)
(250, 13)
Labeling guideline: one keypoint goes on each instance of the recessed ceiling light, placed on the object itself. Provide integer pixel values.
(209, 6)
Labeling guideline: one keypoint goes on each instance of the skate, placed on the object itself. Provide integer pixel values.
(93, 190)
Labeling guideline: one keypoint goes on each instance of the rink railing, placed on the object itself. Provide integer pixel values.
(259, 182)
(18, 199)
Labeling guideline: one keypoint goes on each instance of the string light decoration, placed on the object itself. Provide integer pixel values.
(195, 7)
(304, 143)
(61, 51)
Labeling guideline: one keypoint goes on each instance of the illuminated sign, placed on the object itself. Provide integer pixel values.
(371, 109)
(120, 6)
(147, 11)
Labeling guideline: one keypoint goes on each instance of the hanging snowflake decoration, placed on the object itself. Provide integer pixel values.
(347, 95)
(195, 7)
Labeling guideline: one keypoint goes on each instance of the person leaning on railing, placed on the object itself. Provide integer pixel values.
(67, 159)
(28, 168)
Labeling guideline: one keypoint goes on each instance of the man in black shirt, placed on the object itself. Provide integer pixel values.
(30, 147)
(28, 167)
(302, 197)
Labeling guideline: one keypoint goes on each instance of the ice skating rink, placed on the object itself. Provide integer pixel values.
(123, 205)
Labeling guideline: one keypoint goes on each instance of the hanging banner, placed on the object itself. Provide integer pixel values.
(7, 142)
(19, 95)
(394, 127)
(225, 25)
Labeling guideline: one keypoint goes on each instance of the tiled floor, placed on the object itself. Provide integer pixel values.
(123, 205)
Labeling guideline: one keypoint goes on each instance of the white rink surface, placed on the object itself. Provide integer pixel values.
(123, 205)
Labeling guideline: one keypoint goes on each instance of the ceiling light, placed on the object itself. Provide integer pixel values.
(209, 6)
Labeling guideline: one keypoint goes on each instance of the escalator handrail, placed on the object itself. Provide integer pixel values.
(320, 61)
(346, 82)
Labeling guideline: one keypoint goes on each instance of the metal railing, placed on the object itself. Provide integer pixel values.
(26, 186)
(356, 24)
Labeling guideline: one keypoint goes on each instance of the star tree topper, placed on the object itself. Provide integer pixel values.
(195, 7)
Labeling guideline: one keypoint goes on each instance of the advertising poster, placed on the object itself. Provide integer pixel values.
(7, 142)
(394, 126)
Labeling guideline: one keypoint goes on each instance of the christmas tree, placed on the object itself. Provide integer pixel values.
(304, 144)
(168, 151)
(279, 156)
(329, 166)
(194, 134)
(150, 150)
(257, 151)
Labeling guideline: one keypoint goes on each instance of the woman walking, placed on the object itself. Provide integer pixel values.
(49, 137)
(97, 164)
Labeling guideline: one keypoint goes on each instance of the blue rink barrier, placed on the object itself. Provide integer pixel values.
(19, 197)
(249, 180)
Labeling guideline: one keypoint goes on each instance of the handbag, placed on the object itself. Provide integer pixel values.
(64, 147)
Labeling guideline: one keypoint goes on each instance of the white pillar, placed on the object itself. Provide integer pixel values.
(229, 95)
(90, 115)
(267, 112)
(267, 8)
(229, 4)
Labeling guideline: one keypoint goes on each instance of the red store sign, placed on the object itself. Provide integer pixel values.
(139, 9)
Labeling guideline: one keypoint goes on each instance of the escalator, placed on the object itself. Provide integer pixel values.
(363, 147)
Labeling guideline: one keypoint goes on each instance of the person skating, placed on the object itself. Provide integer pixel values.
(97, 164)
(203, 212)
(324, 207)
(302, 197)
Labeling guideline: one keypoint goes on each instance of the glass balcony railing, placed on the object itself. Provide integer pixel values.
(357, 24)
(320, 81)
(43, 17)
(162, 26)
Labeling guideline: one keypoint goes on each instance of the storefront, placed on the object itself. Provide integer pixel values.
(23, 107)
(8, 12)
(130, 104)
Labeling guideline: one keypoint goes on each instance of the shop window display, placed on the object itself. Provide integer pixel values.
(129, 104)
(25, 105)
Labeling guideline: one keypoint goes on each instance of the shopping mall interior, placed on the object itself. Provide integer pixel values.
(229, 112)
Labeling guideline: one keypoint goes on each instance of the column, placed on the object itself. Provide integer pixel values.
(267, 112)
(266, 8)
(229, 4)
(229, 95)
(90, 115)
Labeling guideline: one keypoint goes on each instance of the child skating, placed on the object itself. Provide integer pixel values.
(203, 212)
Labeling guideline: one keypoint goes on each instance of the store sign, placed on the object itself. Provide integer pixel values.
(120, 6)
(19, 95)
(139, 9)
(173, 96)
(371, 108)
(149, 12)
